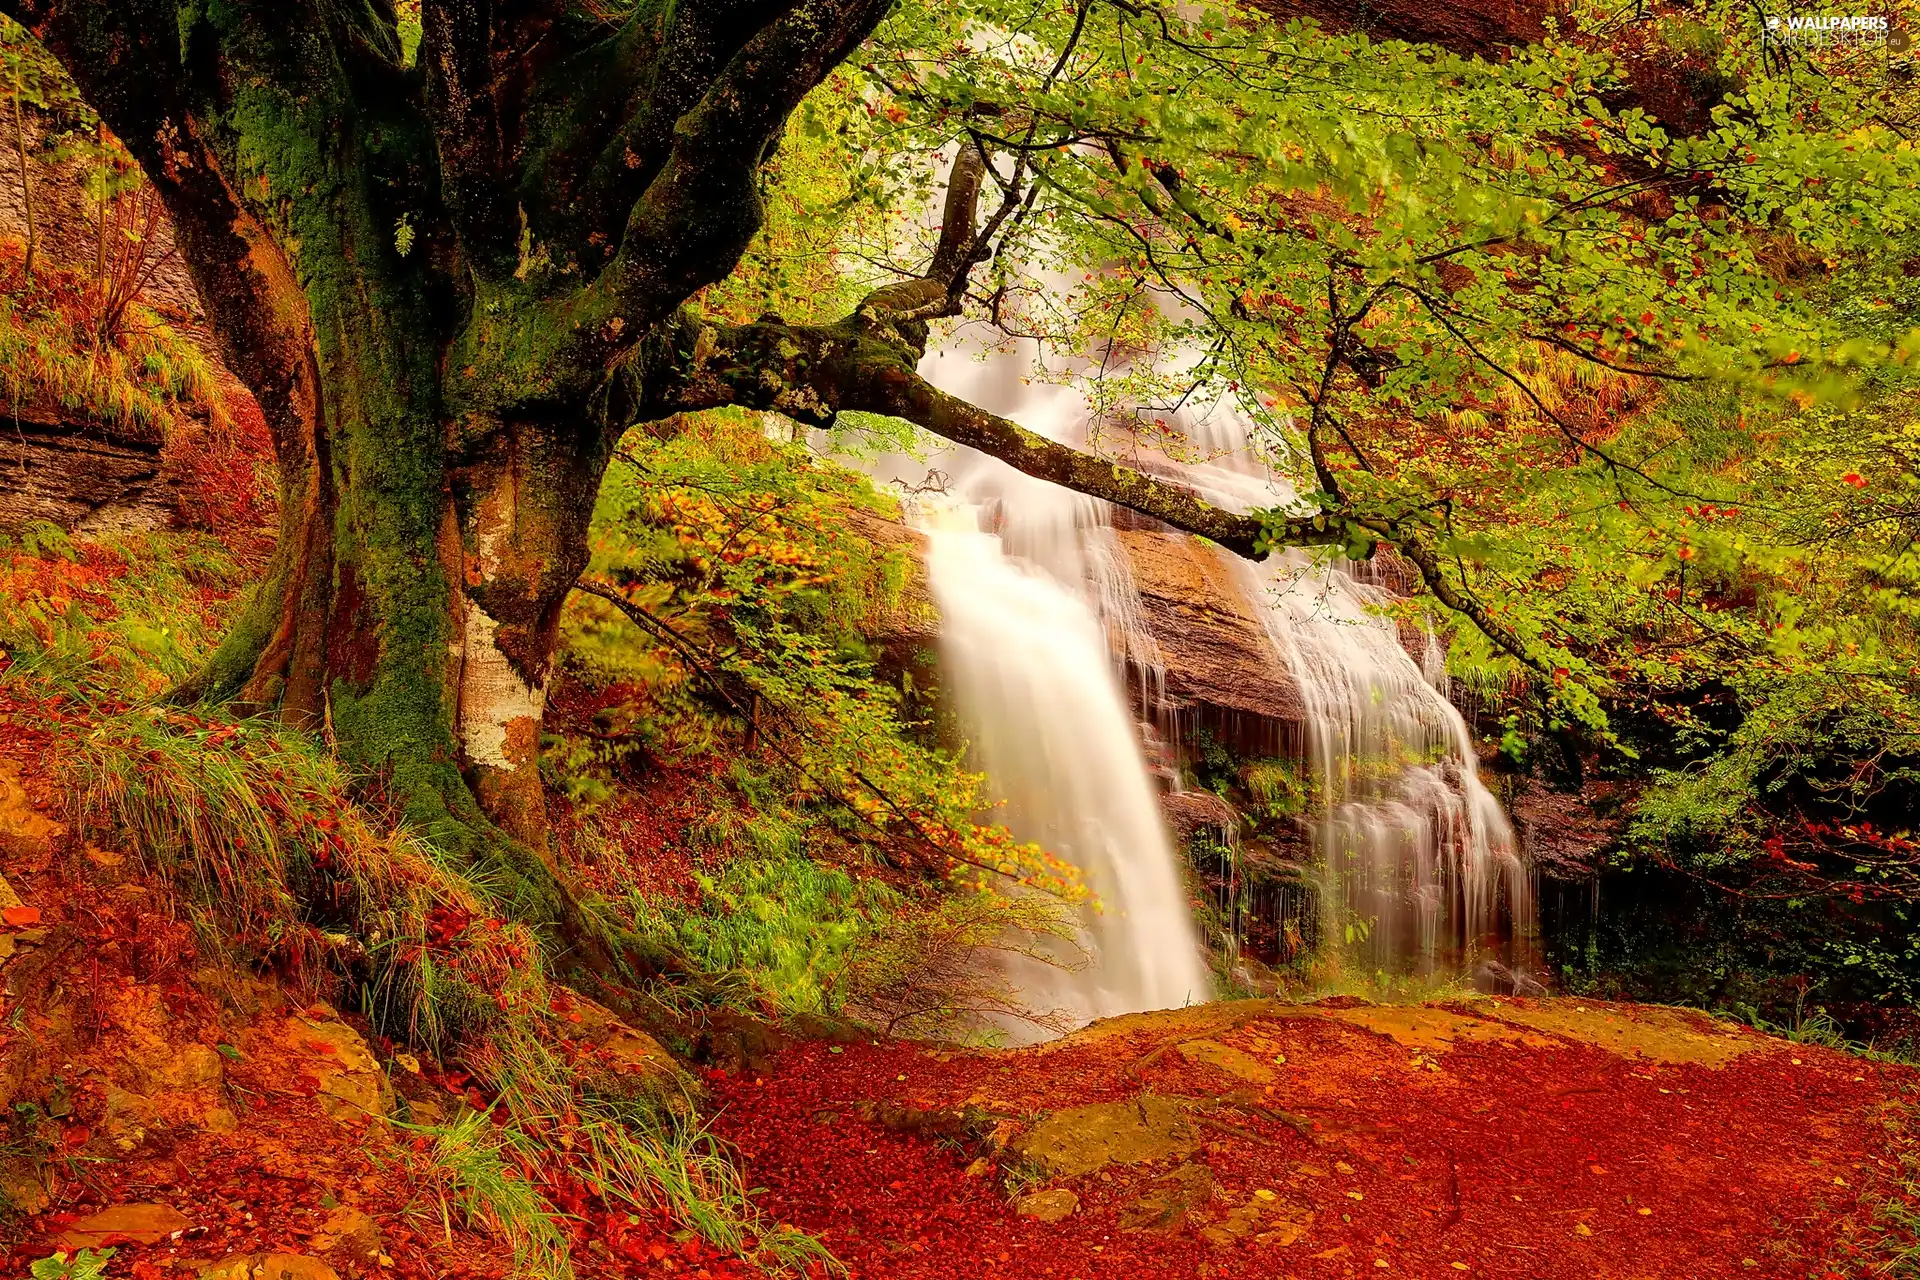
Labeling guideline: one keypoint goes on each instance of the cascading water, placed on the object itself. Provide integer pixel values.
(1036, 603)
(1423, 872)
(1041, 626)
(1026, 661)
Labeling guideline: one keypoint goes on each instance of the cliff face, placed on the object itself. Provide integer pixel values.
(1222, 674)
(70, 453)
(79, 475)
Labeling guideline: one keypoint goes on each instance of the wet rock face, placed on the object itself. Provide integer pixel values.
(1566, 833)
(1221, 670)
(1189, 812)
(915, 618)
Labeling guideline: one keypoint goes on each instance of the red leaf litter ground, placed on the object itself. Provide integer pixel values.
(1542, 1138)
(1497, 1138)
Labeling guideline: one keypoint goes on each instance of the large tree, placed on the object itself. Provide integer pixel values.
(451, 279)
(453, 275)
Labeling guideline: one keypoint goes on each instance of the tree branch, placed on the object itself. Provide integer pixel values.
(700, 212)
(866, 363)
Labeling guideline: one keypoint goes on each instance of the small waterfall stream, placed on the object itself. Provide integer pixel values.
(1422, 871)
(1026, 660)
(1039, 623)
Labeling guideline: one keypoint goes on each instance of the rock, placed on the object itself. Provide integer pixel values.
(1170, 1201)
(430, 1112)
(23, 1186)
(914, 618)
(182, 1067)
(624, 1059)
(1191, 811)
(1237, 1225)
(1495, 979)
(1047, 1206)
(21, 821)
(966, 1126)
(268, 1266)
(1240, 1065)
(123, 1224)
(1221, 667)
(350, 1234)
(1082, 1139)
(1566, 834)
(126, 1120)
(1287, 1223)
(79, 475)
(351, 1081)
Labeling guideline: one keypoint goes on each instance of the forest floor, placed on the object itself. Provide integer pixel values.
(203, 1120)
(1524, 1138)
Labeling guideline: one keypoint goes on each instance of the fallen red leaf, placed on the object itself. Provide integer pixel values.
(20, 916)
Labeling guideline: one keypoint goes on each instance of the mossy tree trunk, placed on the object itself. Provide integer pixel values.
(450, 284)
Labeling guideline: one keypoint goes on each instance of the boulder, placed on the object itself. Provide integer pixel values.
(181, 1067)
(1191, 811)
(621, 1058)
(1081, 1140)
(126, 1119)
(350, 1080)
(23, 1185)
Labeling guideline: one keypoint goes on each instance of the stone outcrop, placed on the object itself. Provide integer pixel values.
(1566, 833)
(348, 1080)
(1222, 673)
(1081, 1140)
(620, 1060)
(1188, 812)
(78, 475)
(56, 464)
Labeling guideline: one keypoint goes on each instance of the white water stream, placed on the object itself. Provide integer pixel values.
(1040, 625)
(1036, 602)
(1422, 872)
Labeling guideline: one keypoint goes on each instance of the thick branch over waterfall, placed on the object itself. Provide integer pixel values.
(866, 362)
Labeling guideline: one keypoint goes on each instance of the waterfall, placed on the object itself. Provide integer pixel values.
(1422, 871)
(1039, 627)
(1026, 661)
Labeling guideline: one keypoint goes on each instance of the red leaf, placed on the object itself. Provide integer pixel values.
(20, 916)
